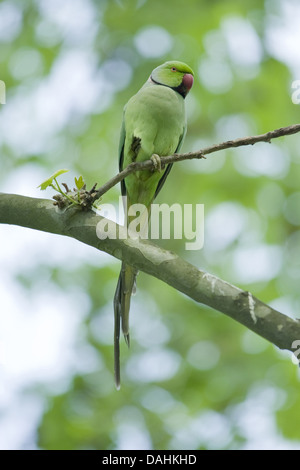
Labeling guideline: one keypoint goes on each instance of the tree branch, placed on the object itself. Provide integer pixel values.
(149, 165)
(41, 214)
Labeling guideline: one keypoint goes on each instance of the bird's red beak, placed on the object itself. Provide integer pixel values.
(188, 81)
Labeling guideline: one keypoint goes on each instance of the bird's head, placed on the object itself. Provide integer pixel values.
(175, 75)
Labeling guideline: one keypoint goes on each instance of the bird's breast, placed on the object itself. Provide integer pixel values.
(156, 115)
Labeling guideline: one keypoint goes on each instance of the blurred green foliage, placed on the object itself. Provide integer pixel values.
(193, 378)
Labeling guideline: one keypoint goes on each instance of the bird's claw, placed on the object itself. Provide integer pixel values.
(156, 162)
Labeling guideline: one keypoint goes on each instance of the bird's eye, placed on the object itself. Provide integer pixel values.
(173, 69)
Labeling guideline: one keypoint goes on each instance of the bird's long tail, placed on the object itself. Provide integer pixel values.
(125, 287)
(124, 290)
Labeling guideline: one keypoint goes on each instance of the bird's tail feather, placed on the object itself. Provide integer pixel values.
(125, 287)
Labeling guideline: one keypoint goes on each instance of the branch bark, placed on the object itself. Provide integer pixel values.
(242, 306)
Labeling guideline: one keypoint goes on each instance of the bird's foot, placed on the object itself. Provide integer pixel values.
(156, 162)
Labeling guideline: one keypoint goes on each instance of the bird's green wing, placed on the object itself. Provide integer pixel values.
(121, 153)
(169, 167)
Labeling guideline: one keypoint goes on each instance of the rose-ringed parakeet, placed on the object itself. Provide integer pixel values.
(154, 124)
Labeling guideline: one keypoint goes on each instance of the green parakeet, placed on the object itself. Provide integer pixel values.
(154, 124)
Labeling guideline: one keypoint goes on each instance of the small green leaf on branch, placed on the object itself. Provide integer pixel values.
(49, 182)
(79, 182)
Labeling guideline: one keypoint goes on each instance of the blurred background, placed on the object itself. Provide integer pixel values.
(193, 378)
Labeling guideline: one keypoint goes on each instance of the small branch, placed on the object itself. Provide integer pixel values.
(148, 164)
